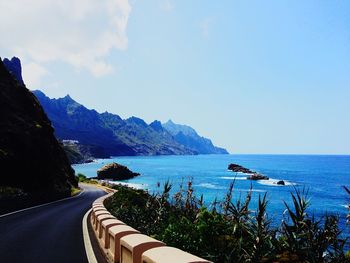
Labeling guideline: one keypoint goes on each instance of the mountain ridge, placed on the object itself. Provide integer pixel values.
(188, 137)
(71, 120)
(102, 135)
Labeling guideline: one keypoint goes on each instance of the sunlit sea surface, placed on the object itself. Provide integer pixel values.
(322, 175)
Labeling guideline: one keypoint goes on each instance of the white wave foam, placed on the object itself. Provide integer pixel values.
(273, 182)
(210, 186)
(270, 182)
(239, 173)
(253, 190)
(233, 178)
(132, 185)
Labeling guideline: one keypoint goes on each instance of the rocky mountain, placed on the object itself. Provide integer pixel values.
(80, 153)
(188, 137)
(114, 136)
(107, 132)
(31, 158)
(102, 135)
(14, 67)
(72, 121)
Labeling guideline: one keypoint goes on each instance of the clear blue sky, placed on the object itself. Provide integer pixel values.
(254, 76)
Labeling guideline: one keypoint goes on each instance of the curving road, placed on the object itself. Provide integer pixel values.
(50, 233)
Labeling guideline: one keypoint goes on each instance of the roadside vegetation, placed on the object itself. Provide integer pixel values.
(83, 179)
(228, 231)
(75, 191)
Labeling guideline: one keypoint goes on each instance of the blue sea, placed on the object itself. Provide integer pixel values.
(322, 175)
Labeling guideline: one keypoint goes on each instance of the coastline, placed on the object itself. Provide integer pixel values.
(322, 175)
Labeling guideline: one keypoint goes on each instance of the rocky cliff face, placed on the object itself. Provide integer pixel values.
(188, 137)
(15, 68)
(133, 136)
(30, 156)
(72, 121)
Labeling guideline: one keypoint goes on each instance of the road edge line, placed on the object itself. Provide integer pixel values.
(28, 208)
(87, 242)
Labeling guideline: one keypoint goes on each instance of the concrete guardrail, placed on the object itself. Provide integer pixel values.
(123, 244)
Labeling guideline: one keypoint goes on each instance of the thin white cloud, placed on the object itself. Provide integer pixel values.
(167, 5)
(33, 74)
(78, 32)
(205, 26)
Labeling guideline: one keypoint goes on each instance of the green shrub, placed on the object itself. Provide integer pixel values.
(235, 234)
(83, 179)
(308, 239)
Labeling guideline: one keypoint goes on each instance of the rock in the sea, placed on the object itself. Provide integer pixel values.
(238, 168)
(281, 182)
(115, 171)
(257, 176)
(252, 175)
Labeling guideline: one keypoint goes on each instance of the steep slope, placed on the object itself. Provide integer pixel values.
(188, 137)
(149, 140)
(30, 156)
(72, 121)
(80, 153)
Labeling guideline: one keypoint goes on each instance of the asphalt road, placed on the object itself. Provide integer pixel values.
(50, 234)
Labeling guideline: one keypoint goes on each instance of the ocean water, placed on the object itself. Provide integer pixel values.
(322, 175)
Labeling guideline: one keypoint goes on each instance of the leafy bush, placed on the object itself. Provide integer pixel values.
(83, 179)
(229, 231)
(308, 239)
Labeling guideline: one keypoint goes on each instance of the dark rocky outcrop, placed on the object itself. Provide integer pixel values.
(281, 182)
(239, 169)
(31, 158)
(15, 68)
(257, 176)
(115, 171)
(252, 175)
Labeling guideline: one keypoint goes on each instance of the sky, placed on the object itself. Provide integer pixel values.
(254, 76)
